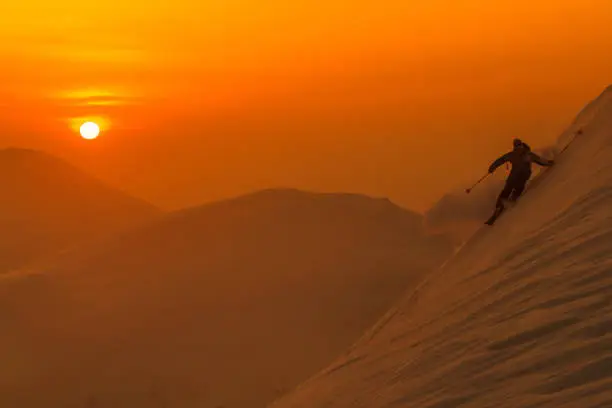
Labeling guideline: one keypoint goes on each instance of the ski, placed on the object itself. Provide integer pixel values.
(498, 211)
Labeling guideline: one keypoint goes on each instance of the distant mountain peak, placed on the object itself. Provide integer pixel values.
(21, 155)
(47, 204)
(280, 193)
(22, 152)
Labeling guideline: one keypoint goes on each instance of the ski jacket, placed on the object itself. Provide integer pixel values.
(520, 158)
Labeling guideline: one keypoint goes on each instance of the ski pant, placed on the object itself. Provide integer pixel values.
(515, 185)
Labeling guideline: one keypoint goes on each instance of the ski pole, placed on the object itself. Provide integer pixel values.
(468, 190)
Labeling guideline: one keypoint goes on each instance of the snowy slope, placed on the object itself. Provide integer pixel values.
(520, 317)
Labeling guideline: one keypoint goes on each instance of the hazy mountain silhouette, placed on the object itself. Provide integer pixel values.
(228, 304)
(48, 205)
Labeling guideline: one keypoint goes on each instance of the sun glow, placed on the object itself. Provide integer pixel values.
(89, 130)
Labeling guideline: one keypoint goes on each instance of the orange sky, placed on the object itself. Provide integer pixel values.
(201, 99)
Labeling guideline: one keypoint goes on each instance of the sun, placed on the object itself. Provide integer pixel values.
(90, 130)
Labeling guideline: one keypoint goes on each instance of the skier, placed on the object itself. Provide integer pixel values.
(520, 158)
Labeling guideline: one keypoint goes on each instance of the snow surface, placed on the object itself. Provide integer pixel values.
(521, 316)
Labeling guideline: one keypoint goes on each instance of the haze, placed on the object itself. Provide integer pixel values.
(200, 101)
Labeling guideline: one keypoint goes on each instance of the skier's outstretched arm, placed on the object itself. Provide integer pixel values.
(499, 162)
(542, 162)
